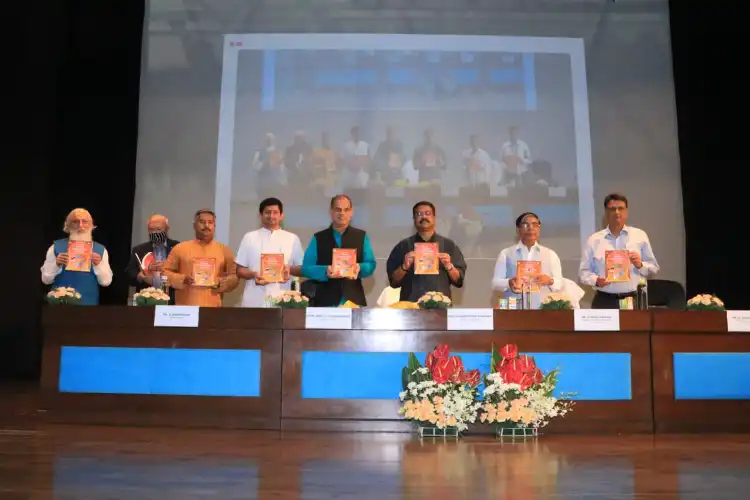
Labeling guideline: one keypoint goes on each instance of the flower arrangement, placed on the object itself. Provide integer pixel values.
(556, 302)
(434, 300)
(63, 295)
(705, 302)
(151, 297)
(291, 299)
(440, 394)
(518, 395)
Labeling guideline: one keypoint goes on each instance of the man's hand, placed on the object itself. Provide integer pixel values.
(62, 259)
(286, 273)
(188, 280)
(543, 280)
(155, 267)
(515, 284)
(260, 281)
(330, 273)
(635, 258)
(445, 260)
(96, 258)
(356, 272)
(601, 282)
(142, 276)
(408, 260)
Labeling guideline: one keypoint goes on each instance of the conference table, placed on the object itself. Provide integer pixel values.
(662, 371)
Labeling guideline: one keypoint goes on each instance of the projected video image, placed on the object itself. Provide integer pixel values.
(483, 127)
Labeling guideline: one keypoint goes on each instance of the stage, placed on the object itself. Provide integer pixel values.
(57, 461)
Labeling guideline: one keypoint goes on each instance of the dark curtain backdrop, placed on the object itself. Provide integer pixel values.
(74, 120)
(74, 70)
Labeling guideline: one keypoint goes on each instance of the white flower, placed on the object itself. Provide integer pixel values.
(706, 301)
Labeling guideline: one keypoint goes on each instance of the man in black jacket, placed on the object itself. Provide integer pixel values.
(331, 290)
(160, 245)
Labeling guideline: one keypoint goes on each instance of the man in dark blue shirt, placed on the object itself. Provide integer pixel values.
(400, 265)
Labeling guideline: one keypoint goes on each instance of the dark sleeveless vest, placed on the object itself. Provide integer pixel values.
(329, 293)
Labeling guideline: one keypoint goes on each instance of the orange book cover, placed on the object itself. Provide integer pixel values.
(426, 259)
(394, 161)
(204, 271)
(79, 256)
(430, 159)
(617, 265)
(526, 270)
(272, 267)
(344, 260)
(147, 260)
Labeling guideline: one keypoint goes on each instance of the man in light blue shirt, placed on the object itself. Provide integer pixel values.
(550, 280)
(617, 236)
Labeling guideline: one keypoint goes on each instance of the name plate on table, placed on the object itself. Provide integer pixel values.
(738, 321)
(328, 318)
(176, 316)
(470, 319)
(596, 320)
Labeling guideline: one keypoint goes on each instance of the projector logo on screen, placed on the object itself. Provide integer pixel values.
(235, 44)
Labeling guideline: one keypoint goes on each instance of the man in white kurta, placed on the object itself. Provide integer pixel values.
(528, 249)
(269, 239)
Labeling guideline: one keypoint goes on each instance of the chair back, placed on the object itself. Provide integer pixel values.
(666, 294)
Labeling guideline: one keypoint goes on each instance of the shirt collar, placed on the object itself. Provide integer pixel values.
(264, 229)
(623, 230)
(418, 238)
(536, 246)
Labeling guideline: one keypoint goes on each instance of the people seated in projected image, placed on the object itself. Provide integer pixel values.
(201, 270)
(429, 160)
(78, 261)
(477, 164)
(159, 245)
(548, 280)
(324, 163)
(389, 159)
(269, 239)
(401, 264)
(269, 165)
(355, 172)
(297, 160)
(515, 157)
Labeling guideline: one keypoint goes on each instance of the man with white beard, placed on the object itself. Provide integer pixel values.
(78, 261)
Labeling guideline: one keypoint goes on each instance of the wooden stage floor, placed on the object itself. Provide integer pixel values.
(62, 462)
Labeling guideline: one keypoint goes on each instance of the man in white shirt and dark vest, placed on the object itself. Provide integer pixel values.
(617, 236)
(86, 278)
(330, 290)
(269, 239)
(550, 280)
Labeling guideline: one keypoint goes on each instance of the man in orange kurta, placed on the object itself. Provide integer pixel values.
(201, 270)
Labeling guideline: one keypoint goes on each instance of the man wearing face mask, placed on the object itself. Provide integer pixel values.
(159, 245)
(400, 265)
(67, 264)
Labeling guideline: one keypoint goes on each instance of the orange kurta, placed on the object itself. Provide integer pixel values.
(180, 262)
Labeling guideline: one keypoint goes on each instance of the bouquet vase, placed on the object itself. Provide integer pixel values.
(515, 430)
(428, 430)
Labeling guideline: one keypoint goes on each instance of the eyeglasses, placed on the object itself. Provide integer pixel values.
(530, 225)
(617, 209)
(427, 213)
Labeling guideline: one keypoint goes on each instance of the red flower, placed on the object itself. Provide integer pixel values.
(526, 364)
(444, 370)
(429, 361)
(537, 376)
(442, 352)
(509, 351)
(472, 378)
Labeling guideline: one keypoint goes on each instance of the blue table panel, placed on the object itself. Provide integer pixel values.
(377, 375)
(137, 370)
(711, 375)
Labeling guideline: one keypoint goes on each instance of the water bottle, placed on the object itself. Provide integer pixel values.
(641, 296)
(526, 297)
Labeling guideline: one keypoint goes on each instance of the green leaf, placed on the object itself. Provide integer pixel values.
(495, 359)
(413, 362)
(405, 377)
